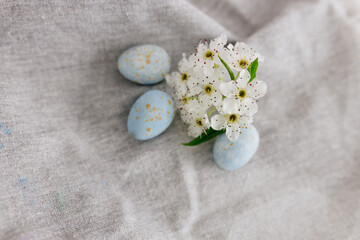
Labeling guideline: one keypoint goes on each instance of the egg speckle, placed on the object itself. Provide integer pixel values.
(151, 115)
(144, 64)
(230, 155)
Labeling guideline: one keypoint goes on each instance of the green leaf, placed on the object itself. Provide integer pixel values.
(252, 69)
(237, 75)
(232, 76)
(205, 136)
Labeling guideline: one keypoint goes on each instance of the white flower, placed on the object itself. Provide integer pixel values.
(210, 93)
(234, 123)
(241, 95)
(198, 122)
(206, 56)
(206, 87)
(179, 80)
(242, 55)
(203, 87)
(195, 84)
(189, 102)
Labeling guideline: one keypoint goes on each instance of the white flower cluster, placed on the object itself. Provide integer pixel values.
(207, 96)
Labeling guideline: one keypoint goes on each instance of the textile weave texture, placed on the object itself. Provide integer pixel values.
(70, 170)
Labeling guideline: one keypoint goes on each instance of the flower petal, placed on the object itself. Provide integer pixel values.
(228, 89)
(256, 89)
(248, 107)
(218, 42)
(172, 78)
(194, 90)
(202, 47)
(194, 58)
(220, 107)
(185, 116)
(215, 97)
(181, 89)
(243, 51)
(226, 56)
(230, 105)
(191, 105)
(233, 131)
(241, 46)
(194, 130)
(245, 121)
(208, 67)
(205, 100)
(218, 122)
(183, 64)
(243, 79)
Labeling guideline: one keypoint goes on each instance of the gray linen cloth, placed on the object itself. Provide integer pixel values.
(70, 170)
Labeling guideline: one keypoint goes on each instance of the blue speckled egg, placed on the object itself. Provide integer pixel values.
(233, 155)
(144, 64)
(151, 114)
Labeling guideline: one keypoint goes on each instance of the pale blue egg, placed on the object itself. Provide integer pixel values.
(144, 64)
(151, 115)
(233, 155)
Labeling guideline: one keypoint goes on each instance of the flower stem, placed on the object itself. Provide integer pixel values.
(213, 109)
